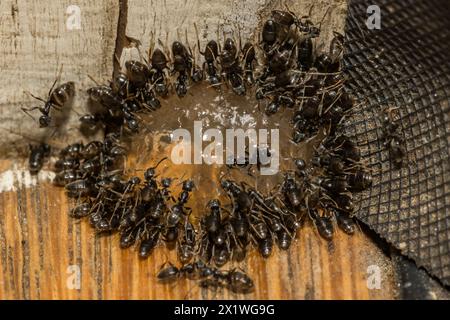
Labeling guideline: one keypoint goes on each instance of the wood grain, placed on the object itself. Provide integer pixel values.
(35, 43)
(39, 241)
(227, 18)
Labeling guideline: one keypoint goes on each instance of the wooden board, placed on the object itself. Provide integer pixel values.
(41, 246)
(39, 242)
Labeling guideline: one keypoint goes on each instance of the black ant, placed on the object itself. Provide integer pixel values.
(182, 64)
(57, 98)
(240, 198)
(212, 221)
(37, 157)
(269, 38)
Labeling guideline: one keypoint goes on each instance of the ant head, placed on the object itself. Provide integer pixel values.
(239, 90)
(229, 45)
(44, 120)
(161, 89)
(272, 108)
(181, 89)
(188, 185)
(300, 164)
(149, 174)
(121, 78)
(214, 203)
(166, 182)
(116, 178)
(95, 93)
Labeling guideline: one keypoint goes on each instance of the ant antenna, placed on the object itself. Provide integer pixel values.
(93, 80)
(198, 39)
(160, 161)
(323, 18)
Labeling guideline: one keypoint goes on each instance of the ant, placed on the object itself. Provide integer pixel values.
(159, 65)
(178, 210)
(148, 192)
(210, 54)
(184, 66)
(210, 277)
(331, 62)
(269, 38)
(149, 242)
(57, 98)
(136, 87)
(262, 154)
(392, 139)
(186, 246)
(242, 201)
(230, 67)
(249, 57)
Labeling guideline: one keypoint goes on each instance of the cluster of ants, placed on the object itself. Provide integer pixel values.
(145, 212)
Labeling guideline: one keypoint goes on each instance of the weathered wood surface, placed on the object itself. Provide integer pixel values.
(35, 41)
(218, 18)
(39, 242)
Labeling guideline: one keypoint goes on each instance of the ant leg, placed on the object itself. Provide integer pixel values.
(389, 111)
(323, 18)
(30, 109)
(37, 98)
(218, 38)
(151, 46)
(56, 80)
(198, 40)
(165, 48)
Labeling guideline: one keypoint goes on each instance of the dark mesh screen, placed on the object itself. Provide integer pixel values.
(405, 65)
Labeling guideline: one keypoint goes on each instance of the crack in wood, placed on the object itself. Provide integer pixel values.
(121, 38)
